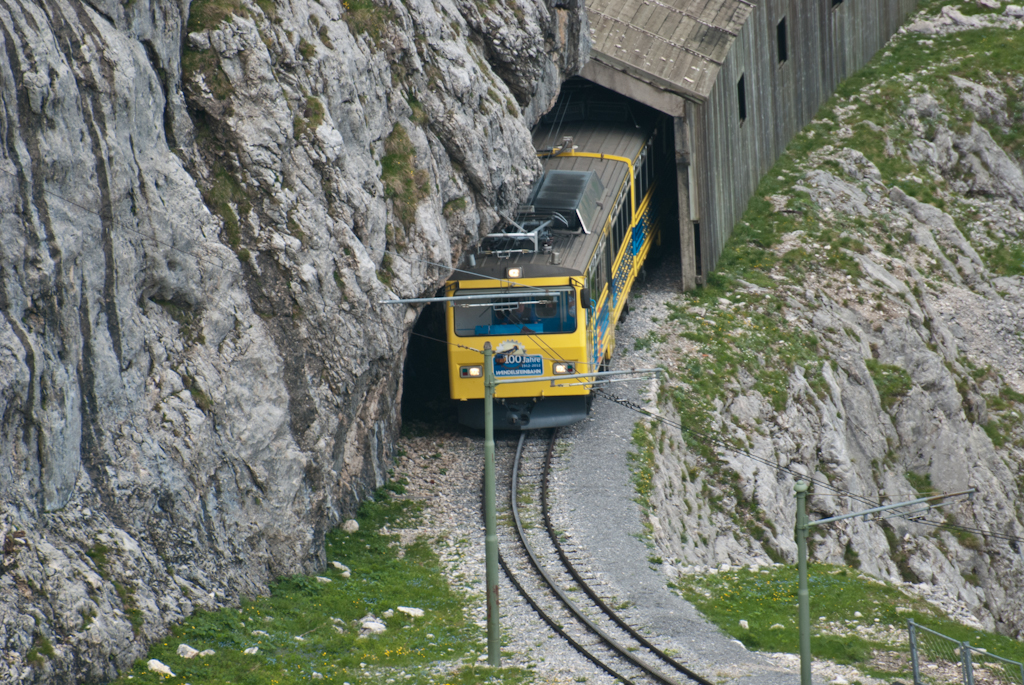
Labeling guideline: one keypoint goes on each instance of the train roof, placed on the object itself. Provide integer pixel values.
(569, 181)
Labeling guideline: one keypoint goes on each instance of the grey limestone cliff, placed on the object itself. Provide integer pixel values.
(888, 252)
(200, 209)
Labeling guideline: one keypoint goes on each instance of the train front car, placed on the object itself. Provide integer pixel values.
(525, 296)
(547, 288)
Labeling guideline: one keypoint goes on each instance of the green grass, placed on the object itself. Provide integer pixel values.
(404, 183)
(453, 207)
(892, 382)
(1005, 259)
(922, 483)
(754, 336)
(223, 193)
(641, 467)
(207, 63)
(98, 554)
(433, 649)
(41, 650)
(646, 342)
(188, 325)
(310, 118)
(365, 16)
(208, 14)
(769, 598)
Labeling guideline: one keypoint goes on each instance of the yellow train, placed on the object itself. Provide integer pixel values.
(547, 289)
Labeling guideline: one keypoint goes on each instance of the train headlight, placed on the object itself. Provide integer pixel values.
(514, 272)
(471, 372)
(563, 368)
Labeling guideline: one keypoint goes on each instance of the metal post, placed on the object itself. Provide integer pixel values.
(914, 664)
(965, 656)
(803, 597)
(490, 518)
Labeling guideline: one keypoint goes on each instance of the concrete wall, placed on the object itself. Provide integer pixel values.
(727, 159)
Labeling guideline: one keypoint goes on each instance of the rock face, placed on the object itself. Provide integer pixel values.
(202, 206)
(892, 321)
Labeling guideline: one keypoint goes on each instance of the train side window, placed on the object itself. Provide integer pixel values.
(615, 232)
(595, 294)
(644, 178)
(609, 259)
(624, 219)
(638, 175)
(606, 262)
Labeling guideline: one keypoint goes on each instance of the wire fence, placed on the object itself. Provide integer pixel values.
(938, 659)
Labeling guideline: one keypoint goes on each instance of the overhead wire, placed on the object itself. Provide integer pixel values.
(824, 484)
(207, 262)
(238, 272)
(626, 403)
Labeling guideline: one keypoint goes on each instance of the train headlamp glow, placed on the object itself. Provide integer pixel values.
(514, 272)
(563, 368)
(471, 372)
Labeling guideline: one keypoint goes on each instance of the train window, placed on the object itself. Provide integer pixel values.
(601, 268)
(616, 238)
(609, 259)
(552, 310)
(620, 226)
(641, 177)
(592, 285)
(627, 220)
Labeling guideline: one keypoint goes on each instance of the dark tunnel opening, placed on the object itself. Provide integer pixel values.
(426, 402)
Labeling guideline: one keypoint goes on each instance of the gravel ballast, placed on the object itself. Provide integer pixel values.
(592, 500)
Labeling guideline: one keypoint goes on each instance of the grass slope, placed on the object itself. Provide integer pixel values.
(876, 641)
(441, 647)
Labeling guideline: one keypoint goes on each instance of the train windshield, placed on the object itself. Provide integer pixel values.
(547, 310)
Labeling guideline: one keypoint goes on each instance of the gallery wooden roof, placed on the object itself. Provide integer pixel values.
(678, 45)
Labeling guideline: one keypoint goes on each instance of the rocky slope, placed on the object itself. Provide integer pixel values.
(202, 205)
(865, 330)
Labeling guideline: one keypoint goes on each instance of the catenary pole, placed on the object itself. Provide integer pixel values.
(802, 526)
(803, 597)
(490, 518)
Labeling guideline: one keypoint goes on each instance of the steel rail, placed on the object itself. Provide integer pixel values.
(557, 627)
(569, 604)
(583, 585)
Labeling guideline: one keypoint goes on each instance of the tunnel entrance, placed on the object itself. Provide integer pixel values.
(584, 99)
(426, 403)
(610, 120)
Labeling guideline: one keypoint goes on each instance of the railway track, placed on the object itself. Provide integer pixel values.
(533, 558)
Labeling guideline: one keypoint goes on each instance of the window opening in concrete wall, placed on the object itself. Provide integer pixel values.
(780, 36)
(741, 95)
(696, 248)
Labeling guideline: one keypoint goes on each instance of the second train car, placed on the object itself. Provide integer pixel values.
(551, 283)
